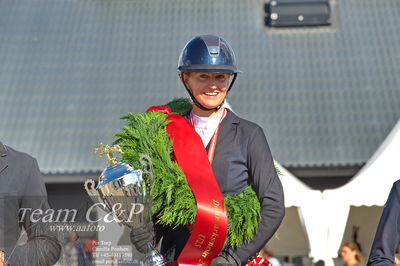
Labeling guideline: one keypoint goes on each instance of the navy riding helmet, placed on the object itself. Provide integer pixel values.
(207, 54)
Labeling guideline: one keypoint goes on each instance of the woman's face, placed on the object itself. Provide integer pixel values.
(347, 254)
(209, 89)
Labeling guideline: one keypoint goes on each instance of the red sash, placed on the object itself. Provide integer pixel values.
(209, 231)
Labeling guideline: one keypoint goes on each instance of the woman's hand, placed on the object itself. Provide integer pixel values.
(220, 261)
(141, 237)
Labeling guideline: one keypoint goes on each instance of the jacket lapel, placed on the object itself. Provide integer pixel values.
(227, 125)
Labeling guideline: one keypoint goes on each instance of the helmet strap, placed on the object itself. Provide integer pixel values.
(197, 102)
(233, 81)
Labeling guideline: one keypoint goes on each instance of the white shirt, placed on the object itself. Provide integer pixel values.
(205, 126)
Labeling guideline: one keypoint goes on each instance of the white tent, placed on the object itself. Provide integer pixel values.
(309, 203)
(369, 187)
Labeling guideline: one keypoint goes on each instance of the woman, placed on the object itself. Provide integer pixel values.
(351, 255)
(236, 148)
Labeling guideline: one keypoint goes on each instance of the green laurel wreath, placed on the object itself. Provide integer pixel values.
(173, 200)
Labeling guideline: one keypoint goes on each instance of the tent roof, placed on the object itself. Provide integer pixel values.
(372, 184)
(296, 192)
(369, 187)
(70, 69)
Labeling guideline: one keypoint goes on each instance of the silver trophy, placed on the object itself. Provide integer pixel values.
(121, 190)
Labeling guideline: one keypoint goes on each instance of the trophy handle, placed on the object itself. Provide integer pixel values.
(90, 187)
(145, 160)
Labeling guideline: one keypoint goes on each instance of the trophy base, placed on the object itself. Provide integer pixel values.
(153, 259)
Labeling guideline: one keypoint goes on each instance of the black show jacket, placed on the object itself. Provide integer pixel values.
(242, 157)
(387, 236)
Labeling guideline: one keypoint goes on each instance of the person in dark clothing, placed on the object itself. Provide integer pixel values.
(22, 201)
(387, 237)
(242, 157)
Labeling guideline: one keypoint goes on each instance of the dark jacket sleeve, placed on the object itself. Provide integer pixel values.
(269, 190)
(387, 236)
(42, 247)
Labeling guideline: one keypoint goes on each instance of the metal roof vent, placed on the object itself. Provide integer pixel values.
(294, 13)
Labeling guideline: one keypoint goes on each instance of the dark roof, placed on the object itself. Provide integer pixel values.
(70, 68)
